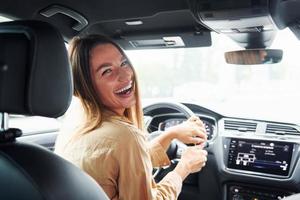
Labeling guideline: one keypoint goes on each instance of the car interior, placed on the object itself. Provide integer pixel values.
(32, 84)
(249, 157)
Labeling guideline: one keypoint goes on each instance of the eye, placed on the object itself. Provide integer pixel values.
(106, 71)
(124, 63)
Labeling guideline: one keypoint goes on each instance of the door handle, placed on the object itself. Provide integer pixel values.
(56, 9)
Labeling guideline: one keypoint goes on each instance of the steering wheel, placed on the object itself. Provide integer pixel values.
(176, 147)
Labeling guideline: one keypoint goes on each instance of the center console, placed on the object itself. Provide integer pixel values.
(249, 192)
(259, 157)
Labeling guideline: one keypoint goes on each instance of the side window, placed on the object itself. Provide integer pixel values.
(35, 125)
(39, 130)
(32, 125)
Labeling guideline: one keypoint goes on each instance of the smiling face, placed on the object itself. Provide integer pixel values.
(112, 77)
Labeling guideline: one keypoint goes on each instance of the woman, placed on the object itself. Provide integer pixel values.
(110, 144)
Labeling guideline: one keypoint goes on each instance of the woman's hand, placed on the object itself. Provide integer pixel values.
(191, 131)
(192, 160)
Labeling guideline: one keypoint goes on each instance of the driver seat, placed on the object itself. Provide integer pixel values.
(35, 79)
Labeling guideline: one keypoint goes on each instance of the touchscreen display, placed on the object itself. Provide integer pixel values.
(260, 156)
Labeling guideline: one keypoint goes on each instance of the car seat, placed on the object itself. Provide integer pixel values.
(35, 79)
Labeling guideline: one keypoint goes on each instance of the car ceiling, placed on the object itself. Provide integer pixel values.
(187, 17)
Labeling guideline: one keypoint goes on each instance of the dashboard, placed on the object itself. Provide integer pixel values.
(248, 158)
(260, 156)
(209, 124)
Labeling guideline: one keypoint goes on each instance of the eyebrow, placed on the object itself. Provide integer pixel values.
(102, 66)
(123, 57)
(109, 64)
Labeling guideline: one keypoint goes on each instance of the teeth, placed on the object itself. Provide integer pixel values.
(125, 88)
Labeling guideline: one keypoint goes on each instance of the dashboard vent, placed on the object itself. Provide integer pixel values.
(281, 130)
(240, 126)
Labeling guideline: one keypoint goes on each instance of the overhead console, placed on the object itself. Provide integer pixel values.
(248, 22)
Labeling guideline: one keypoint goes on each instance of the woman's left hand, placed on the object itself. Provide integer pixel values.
(191, 131)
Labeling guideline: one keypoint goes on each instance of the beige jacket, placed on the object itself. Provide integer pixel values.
(118, 156)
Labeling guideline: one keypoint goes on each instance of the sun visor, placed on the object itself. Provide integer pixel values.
(163, 30)
(166, 40)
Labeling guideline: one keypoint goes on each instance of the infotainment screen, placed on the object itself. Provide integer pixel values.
(260, 156)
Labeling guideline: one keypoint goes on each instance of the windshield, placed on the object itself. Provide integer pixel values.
(201, 75)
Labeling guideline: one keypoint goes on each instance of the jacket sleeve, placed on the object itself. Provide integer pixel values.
(135, 175)
(158, 154)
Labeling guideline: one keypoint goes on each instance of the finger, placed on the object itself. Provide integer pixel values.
(201, 129)
(198, 132)
(197, 140)
(195, 149)
(204, 152)
(200, 152)
(193, 118)
(199, 123)
(204, 144)
(204, 159)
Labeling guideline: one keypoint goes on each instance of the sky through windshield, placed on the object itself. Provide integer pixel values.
(201, 75)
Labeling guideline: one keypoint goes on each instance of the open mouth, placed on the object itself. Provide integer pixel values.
(126, 90)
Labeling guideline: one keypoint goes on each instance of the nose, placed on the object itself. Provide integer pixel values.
(125, 74)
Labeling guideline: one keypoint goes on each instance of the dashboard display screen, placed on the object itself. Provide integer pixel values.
(260, 156)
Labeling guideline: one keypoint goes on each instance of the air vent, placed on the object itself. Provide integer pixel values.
(240, 126)
(281, 130)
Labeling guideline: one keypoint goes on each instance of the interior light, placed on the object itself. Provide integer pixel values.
(134, 23)
(4, 19)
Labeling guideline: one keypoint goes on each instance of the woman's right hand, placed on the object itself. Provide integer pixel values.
(191, 131)
(193, 159)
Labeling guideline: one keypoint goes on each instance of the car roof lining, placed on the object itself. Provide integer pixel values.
(109, 16)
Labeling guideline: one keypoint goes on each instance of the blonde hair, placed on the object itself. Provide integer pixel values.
(79, 53)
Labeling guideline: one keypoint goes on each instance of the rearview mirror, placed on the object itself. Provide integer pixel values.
(254, 56)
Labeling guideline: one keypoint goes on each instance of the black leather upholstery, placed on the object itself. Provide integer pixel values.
(32, 79)
(32, 172)
(35, 79)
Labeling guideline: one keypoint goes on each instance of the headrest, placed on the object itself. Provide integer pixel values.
(35, 75)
